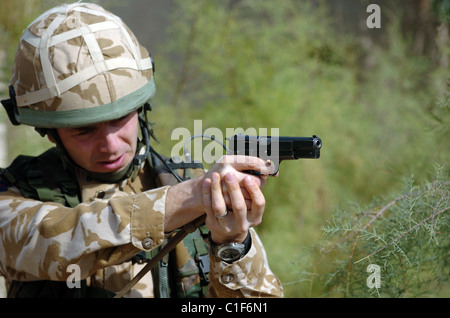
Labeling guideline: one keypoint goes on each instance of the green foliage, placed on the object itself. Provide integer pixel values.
(407, 236)
(14, 18)
(283, 65)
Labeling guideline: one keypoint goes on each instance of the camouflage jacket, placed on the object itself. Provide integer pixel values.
(42, 240)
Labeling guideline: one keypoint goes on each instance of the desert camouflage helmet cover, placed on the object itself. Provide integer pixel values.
(78, 64)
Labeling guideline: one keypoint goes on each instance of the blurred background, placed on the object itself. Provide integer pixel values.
(378, 98)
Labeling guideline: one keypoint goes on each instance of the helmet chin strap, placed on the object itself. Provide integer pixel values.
(143, 123)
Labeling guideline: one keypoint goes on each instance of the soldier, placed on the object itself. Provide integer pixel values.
(102, 202)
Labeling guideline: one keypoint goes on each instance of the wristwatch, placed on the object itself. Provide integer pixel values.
(230, 252)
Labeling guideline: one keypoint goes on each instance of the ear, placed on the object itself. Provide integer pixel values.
(52, 135)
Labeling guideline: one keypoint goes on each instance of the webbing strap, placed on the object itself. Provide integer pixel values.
(188, 228)
(43, 178)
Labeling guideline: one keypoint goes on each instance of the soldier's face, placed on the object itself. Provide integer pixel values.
(105, 147)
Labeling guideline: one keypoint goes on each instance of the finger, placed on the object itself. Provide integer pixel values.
(211, 220)
(248, 203)
(247, 198)
(243, 163)
(258, 202)
(227, 199)
(217, 200)
(237, 199)
(226, 194)
(206, 196)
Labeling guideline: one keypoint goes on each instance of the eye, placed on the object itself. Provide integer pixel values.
(82, 131)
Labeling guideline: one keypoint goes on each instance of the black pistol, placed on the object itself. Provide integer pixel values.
(275, 148)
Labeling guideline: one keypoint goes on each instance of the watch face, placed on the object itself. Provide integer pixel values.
(229, 253)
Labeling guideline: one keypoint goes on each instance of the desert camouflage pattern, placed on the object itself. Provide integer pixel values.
(77, 57)
(39, 240)
(250, 277)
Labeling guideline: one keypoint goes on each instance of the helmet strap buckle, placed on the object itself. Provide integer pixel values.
(11, 106)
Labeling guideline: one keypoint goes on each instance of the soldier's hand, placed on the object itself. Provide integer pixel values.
(230, 223)
(239, 165)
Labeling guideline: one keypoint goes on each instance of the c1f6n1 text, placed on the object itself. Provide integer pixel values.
(231, 307)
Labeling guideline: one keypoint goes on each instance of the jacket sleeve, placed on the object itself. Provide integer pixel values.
(40, 240)
(248, 277)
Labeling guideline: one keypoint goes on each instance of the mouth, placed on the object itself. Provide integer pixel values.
(113, 164)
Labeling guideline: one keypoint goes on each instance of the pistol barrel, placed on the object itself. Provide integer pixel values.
(299, 147)
(276, 148)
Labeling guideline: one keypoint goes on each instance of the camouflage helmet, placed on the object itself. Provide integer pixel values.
(76, 65)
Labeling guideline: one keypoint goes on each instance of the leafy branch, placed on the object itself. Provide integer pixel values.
(387, 236)
(404, 233)
(354, 230)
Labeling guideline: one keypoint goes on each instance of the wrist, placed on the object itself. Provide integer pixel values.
(183, 204)
(220, 239)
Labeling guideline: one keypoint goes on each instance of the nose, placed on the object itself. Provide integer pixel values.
(108, 140)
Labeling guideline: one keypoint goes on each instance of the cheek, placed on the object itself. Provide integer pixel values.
(131, 133)
(77, 151)
(80, 154)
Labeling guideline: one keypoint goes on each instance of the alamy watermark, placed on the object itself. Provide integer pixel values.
(74, 279)
(373, 21)
(374, 279)
(191, 145)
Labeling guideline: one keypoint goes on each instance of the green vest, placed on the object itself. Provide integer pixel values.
(48, 179)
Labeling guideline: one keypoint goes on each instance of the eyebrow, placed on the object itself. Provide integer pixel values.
(83, 127)
(97, 124)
